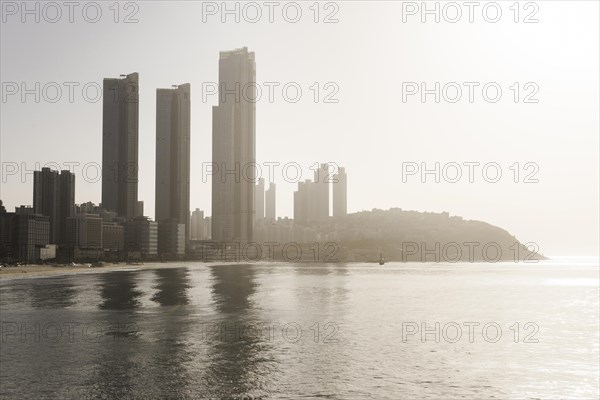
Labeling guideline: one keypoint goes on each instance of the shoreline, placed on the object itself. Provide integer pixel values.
(41, 271)
(46, 271)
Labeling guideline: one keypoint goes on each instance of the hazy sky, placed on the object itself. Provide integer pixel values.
(367, 54)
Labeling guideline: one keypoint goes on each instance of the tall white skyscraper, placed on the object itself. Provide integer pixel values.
(234, 148)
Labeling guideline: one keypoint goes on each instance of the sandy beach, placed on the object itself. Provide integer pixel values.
(35, 271)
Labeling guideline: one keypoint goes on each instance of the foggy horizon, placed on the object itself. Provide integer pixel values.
(557, 133)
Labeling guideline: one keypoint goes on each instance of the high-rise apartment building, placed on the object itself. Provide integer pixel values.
(120, 111)
(305, 207)
(259, 202)
(340, 207)
(197, 225)
(234, 148)
(173, 155)
(54, 197)
(270, 202)
(321, 192)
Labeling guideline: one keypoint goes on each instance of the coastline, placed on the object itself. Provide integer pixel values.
(46, 271)
(41, 271)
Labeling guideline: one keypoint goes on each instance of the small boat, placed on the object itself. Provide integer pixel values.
(381, 260)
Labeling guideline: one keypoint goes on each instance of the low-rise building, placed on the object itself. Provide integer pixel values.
(113, 240)
(23, 235)
(141, 238)
(84, 237)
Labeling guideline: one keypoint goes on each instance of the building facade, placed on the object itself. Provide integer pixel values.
(113, 237)
(54, 197)
(321, 192)
(139, 211)
(171, 239)
(172, 195)
(306, 203)
(340, 197)
(141, 236)
(30, 234)
(234, 148)
(271, 202)
(24, 236)
(259, 200)
(120, 140)
(197, 225)
(85, 231)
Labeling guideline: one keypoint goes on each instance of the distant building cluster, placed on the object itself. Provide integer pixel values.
(243, 210)
(311, 200)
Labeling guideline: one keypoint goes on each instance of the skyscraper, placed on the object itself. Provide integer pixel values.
(172, 193)
(340, 193)
(259, 202)
(322, 192)
(197, 225)
(54, 197)
(270, 202)
(305, 207)
(234, 148)
(46, 197)
(120, 111)
(66, 208)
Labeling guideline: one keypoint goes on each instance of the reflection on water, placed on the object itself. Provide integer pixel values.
(239, 363)
(117, 348)
(232, 287)
(171, 349)
(199, 332)
(172, 286)
(51, 294)
(118, 290)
